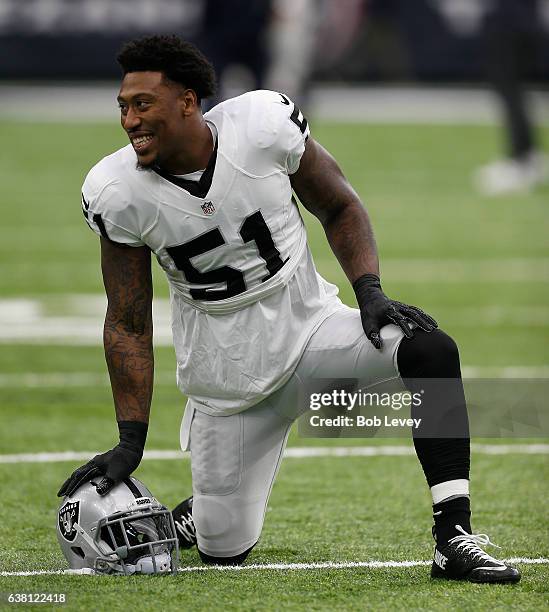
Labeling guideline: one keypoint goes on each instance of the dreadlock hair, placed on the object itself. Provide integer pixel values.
(180, 61)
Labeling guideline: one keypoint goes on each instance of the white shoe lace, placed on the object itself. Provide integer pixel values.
(470, 543)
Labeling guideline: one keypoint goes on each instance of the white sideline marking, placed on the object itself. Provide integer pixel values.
(55, 380)
(95, 101)
(297, 452)
(286, 566)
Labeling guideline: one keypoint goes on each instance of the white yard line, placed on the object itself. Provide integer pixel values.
(295, 452)
(56, 380)
(324, 565)
(298, 452)
(82, 456)
(511, 371)
(77, 319)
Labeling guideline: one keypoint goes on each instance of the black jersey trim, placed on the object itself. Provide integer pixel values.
(99, 221)
(199, 188)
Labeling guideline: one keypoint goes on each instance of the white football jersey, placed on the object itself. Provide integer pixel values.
(245, 293)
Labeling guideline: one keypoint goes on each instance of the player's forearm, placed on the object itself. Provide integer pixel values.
(327, 194)
(130, 361)
(351, 238)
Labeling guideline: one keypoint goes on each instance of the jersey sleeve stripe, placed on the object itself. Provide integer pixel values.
(99, 221)
(298, 118)
(85, 207)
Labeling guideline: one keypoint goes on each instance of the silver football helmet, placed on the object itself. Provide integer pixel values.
(126, 531)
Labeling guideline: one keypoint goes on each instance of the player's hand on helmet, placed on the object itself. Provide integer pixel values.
(113, 466)
(377, 310)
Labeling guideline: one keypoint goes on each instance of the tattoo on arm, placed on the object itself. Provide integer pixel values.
(326, 193)
(127, 333)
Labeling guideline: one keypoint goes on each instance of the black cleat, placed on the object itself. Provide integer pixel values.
(463, 559)
(183, 519)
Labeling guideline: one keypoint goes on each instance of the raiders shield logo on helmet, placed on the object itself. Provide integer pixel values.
(69, 514)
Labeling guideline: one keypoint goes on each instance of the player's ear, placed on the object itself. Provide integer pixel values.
(188, 101)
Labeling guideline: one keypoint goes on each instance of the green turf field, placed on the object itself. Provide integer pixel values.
(480, 266)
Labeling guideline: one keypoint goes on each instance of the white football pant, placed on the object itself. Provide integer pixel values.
(235, 459)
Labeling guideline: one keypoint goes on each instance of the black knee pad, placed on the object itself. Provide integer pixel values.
(236, 560)
(434, 355)
(429, 364)
(428, 355)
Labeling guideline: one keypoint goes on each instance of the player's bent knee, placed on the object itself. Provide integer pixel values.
(212, 518)
(429, 355)
(225, 527)
(235, 560)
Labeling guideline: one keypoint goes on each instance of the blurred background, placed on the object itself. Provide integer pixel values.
(438, 113)
(367, 60)
(350, 41)
(437, 110)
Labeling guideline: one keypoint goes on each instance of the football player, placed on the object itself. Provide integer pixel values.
(211, 196)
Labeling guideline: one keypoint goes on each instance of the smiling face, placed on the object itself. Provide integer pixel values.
(153, 112)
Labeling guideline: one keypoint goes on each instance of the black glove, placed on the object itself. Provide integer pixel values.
(377, 310)
(114, 465)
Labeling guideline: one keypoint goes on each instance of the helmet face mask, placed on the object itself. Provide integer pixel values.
(126, 531)
(130, 538)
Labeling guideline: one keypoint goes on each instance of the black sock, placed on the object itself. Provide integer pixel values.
(449, 513)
